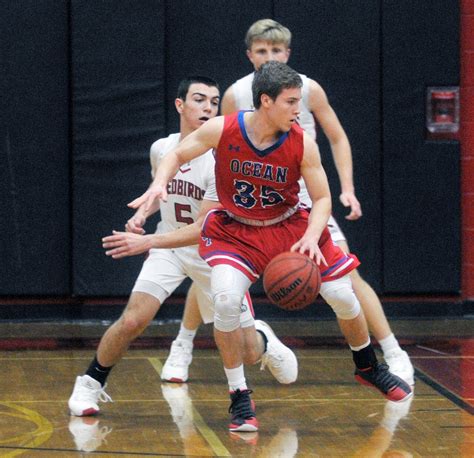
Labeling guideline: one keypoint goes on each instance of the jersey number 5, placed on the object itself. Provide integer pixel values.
(178, 211)
(246, 195)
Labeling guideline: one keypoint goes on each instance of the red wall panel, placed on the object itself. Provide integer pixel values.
(467, 145)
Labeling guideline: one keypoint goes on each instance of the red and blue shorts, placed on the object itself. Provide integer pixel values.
(250, 248)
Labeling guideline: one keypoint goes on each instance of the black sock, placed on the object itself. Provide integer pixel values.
(364, 358)
(98, 372)
(265, 340)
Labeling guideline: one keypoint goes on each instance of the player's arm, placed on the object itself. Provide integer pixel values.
(340, 146)
(316, 182)
(123, 244)
(228, 105)
(137, 221)
(193, 145)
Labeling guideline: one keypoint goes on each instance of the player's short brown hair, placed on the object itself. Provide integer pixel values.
(267, 30)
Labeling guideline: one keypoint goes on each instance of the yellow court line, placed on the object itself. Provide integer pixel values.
(209, 435)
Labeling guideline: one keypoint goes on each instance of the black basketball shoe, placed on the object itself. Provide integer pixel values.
(378, 376)
(242, 409)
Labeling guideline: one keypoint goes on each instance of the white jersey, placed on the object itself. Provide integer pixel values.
(165, 269)
(242, 92)
(194, 182)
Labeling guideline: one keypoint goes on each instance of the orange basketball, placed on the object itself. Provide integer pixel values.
(292, 281)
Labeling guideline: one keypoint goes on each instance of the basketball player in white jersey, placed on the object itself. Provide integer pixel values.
(191, 191)
(268, 40)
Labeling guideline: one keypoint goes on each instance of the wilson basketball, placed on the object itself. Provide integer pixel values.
(292, 281)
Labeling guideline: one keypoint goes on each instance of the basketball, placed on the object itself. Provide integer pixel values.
(292, 281)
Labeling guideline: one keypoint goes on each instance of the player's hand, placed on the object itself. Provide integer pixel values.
(348, 199)
(311, 249)
(135, 224)
(153, 193)
(123, 244)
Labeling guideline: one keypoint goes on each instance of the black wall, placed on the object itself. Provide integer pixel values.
(35, 155)
(90, 85)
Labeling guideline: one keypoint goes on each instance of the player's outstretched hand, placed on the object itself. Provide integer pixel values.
(135, 224)
(148, 198)
(348, 199)
(311, 249)
(123, 244)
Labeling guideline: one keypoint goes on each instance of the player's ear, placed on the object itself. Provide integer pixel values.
(265, 99)
(178, 103)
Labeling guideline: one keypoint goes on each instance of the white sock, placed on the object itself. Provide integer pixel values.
(186, 334)
(360, 347)
(236, 378)
(389, 343)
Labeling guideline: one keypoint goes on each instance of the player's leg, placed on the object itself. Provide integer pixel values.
(340, 296)
(229, 286)
(261, 345)
(160, 275)
(176, 367)
(396, 358)
(89, 388)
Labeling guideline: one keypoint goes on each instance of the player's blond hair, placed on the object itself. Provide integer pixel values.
(267, 30)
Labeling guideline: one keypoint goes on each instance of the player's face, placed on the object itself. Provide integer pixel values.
(201, 104)
(262, 52)
(285, 109)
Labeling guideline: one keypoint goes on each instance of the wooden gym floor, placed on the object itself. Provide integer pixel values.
(324, 414)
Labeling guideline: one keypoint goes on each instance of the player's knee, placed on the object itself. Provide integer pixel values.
(132, 325)
(340, 296)
(141, 309)
(227, 311)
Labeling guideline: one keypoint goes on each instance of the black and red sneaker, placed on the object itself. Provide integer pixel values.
(242, 409)
(378, 376)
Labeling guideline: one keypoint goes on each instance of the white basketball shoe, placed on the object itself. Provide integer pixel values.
(86, 395)
(281, 361)
(176, 366)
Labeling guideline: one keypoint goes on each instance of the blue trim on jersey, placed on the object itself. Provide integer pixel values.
(266, 151)
(335, 266)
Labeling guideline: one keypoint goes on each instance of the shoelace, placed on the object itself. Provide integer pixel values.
(103, 396)
(93, 393)
(240, 405)
(384, 378)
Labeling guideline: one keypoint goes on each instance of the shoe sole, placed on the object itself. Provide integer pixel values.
(174, 380)
(85, 413)
(386, 396)
(245, 428)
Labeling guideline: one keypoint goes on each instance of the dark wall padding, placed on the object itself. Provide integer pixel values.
(337, 44)
(118, 111)
(34, 150)
(87, 86)
(208, 40)
(421, 206)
